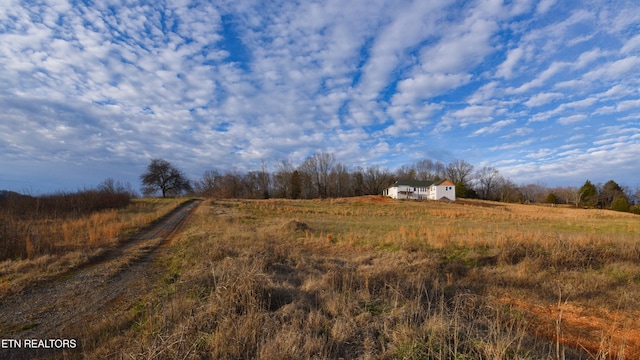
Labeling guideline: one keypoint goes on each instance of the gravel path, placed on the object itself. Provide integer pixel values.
(62, 309)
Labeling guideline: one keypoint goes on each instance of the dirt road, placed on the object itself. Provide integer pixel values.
(55, 317)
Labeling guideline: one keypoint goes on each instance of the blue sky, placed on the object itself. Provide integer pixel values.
(545, 91)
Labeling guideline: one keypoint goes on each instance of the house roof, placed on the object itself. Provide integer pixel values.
(412, 183)
(444, 182)
(418, 183)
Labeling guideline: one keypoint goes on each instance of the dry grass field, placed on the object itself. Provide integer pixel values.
(53, 245)
(373, 278)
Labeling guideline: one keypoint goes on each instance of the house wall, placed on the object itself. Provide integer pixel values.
(448, 191)
(431, 193)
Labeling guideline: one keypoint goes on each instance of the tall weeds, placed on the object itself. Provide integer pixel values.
(36, 247)
(33, 226)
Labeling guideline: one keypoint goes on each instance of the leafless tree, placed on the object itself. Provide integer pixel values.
(564, 194)
(318, 167)
(487, 178)
(282, 179)
(428, 170)
(340, 181)
(264, 181)
(407, 172)
(533, 193)
(375, 179)
(209, 185)
(460, 172)
(507, 190)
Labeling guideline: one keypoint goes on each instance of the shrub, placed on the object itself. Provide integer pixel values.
(552, 198)
(621, 204)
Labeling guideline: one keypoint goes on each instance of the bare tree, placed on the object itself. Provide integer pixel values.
(318, 167)
(340, 181)
(459, 172)
(428, 170)
(232, 185)
(282, 179)
(564, 194)
(533, 193)
(209, 185)
(264, 181)
(425, 169)
(506, 190)
(375, 179)
(112, 186)
(487, 179)
(406, 172)
(164, 177)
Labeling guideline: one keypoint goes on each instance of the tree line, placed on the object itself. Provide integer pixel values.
(109, 194)
(322, 176)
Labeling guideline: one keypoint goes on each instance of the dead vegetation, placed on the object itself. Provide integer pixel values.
(392, 280)
(37, 245)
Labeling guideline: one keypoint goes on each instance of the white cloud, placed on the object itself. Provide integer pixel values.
(465, 46)
(567, 120)
(505, 69)
(544, 6)
(513, 145)
(474, 114)
(631, 45)
(522, 131)
(547, 74)
(542, 98)
(424, 86)
(484, 93)
(628, 105)
(588, 57)
(409, 25)
(541, 153)
(494, 128)
(615, 70)
(580, 103)
(617, 91)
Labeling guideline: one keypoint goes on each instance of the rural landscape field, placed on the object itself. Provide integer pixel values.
(371, 277)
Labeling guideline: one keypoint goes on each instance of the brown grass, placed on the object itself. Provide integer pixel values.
(392, 280)
(55, 245)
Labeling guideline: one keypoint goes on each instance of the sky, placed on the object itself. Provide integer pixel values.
(546, 91)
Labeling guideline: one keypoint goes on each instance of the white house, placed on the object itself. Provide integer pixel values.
(430, 190)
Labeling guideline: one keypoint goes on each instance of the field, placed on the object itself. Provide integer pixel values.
(373, 278)
(35, 249)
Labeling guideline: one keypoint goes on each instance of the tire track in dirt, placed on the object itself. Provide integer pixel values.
(68, 306)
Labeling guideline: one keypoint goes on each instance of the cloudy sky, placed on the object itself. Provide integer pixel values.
(546, 91)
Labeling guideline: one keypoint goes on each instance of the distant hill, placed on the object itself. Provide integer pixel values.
(7, 193)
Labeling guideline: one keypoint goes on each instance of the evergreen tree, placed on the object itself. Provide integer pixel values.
(621, 204)
(587, 195)
(296, 185)
(611, 192)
